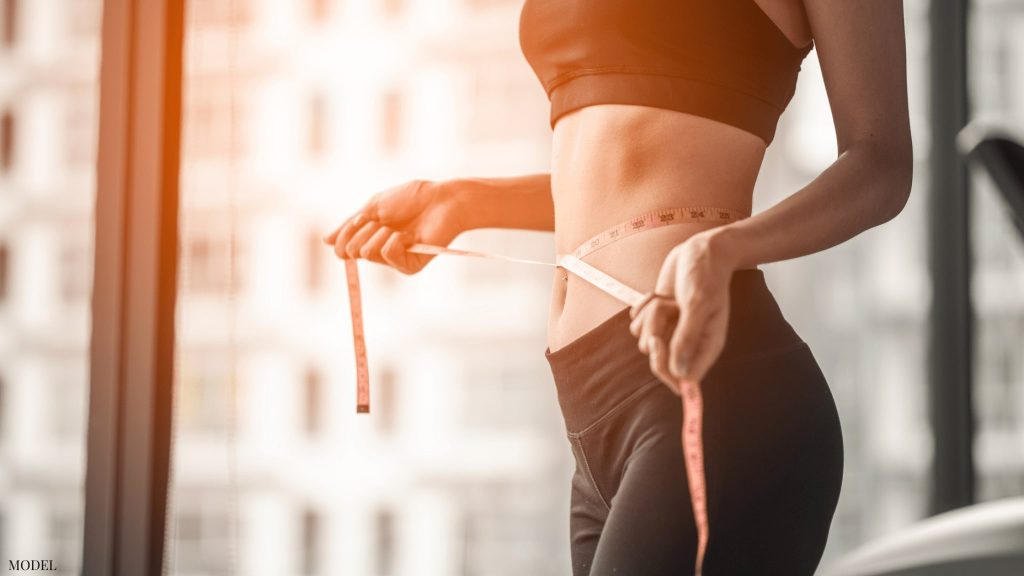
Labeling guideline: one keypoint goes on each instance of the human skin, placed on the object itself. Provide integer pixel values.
(612, 162)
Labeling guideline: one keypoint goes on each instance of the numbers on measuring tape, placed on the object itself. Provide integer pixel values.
(657, 219)
(693, 458)
(355, 306)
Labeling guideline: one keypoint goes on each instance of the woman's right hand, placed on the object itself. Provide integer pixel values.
(419, 211)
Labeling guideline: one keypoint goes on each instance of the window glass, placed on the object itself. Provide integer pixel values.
(49, 94)
(997, 95)
(273, 471)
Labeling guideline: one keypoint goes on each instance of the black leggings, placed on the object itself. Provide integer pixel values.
(773, 450)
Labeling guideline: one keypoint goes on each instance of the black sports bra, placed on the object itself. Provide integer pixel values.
(721, 59)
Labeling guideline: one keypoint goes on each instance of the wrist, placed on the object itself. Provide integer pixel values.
(454, 197)
(725, 244)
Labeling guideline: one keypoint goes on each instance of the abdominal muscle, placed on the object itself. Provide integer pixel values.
(613, 162)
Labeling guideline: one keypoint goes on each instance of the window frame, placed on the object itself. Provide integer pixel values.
(134, 287)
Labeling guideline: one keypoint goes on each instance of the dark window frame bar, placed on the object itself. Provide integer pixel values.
(951, 327)
(134, 288)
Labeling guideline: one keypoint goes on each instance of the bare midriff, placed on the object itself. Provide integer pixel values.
(613, 162)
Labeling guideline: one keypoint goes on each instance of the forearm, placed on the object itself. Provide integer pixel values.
(866, 186)
(520, 202)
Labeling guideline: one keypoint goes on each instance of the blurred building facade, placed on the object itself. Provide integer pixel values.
(49, 63)
(295, 113)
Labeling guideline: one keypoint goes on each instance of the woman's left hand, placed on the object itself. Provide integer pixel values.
(682, 328)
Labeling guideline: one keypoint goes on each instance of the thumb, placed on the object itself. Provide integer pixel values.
(666, 283)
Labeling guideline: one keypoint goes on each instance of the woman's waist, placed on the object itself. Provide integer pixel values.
(603, 367)
(588, 206)
(635, 261)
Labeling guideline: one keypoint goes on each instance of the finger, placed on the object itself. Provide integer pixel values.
(636, 324)
(371, 250)
(709, 348)
(371, 211)
(642, 312)
(635, 309)
(666, 283)
(659, 366)
(395, 253)
(333, 236)
(656, 320)
(345, 232)
(330, 238)
(644, 329)
(686, 338)
(359, 238)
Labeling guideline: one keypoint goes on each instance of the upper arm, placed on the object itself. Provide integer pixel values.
(862, 52)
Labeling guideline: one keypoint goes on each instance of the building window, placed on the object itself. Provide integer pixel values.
(501, 394)
(203, 533)
(80, 126)
(488, 3)
(85, 16)
(10, 24)
(69, 393)
(204, 401)
(3, 420)
(320, 10)
(393, 8)
(505, 524)
(386, 382)
(312, 399)
(391, 122)
(219, 13)
(75, 261)
(5, 268)
(315, 254)
(317, 125)
(312, 527)
(214, 113)
(498, 103)
(385, 531)
(208, 265)
(3, 535)
(7, 142)
(66, 540)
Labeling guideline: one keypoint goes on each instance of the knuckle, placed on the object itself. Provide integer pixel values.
(694, 302)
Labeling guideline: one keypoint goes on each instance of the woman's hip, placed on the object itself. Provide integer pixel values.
(602, 368)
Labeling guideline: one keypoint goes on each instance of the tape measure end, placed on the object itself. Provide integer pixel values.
(362, 409)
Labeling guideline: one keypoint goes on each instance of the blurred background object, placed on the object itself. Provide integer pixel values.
(294, 113)
(981, 540)
(1001, 156)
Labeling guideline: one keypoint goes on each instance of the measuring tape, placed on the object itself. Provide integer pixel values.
(692, 399)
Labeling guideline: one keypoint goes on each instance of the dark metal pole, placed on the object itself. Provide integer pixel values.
(134, 288)
(951, 329)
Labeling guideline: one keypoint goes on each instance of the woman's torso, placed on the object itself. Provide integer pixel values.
(614, 162)
(611, 162)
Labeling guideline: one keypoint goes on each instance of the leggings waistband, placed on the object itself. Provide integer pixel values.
(601, 368)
